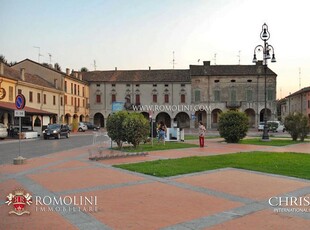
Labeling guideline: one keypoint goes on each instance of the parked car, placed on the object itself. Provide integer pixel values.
(3, 131)
(275, 126)
(57, 131)
(82, 127)
(92, 126)
(261, 126)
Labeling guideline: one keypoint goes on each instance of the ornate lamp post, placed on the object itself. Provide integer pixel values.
(266, 48)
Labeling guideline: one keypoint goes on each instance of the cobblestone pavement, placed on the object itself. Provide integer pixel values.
(218, 199)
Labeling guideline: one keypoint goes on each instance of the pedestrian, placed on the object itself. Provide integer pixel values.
(202, 132)
(162, 129)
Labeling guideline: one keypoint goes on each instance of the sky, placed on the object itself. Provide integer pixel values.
(136, 34)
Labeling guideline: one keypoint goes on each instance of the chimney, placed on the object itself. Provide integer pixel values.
(206, 63)
(22, 74)
(115, 68)
(1, 68)
(67, 71)
(149, 67)
(76, 74)
(80, 76)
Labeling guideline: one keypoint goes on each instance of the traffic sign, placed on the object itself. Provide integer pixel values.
(19, 113)
(20, 101)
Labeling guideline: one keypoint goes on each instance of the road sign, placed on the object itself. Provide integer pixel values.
(19, 113)
(20, 101)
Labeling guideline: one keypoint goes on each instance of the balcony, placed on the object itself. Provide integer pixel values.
(233, 104)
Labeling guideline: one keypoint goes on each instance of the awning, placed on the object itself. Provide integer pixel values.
(28, 110)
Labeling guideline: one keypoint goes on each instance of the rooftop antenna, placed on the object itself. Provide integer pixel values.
(214, 59)
(299, 78)
(39, 54)
(95, 66)
(173, 60)
(50, 55)
(239, 56)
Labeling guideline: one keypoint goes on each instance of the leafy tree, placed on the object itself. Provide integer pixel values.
(3, 59)
(297, 126)
(233, 126)
(137, 128)
(115, 128)
(84, 69)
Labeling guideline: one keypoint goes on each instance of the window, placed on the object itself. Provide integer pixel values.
(38, 97)
(44, 98)
(249, 95)
(66, 86)
(71, 100)
(98, 85)
(137, 85)
(217, 96)
(66, 101)
(182, 85)
(83, 103)
(166, 85)
(155, 98)
(197, 96)
(154, 85)
(71, 88)
(78, 102)
(83, 91)
(233, 96)
(113, 98)
(232, 80)
(19, 91)
(166, 98)
(10, 93)
(74, 89)
(182, 98)
(249, 80)
(137, 99)
(216, 81)
(78, 90)
(113, 85)
(61, 101)
(270, 95)
(30, 97)
(128, 85)
(98, 98)
(54, 100)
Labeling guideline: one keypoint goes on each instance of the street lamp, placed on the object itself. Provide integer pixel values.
(265, 35)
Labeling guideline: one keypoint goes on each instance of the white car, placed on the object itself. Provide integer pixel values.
(279, 125)
(3, 131)
(261, 126)
(82, 127)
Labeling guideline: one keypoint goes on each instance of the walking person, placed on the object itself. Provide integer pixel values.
(202, 132)
(162, 129)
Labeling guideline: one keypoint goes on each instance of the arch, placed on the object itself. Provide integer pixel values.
(37, 122)
(99, 119)
(215, 117)
(200, 116)
(261, 114)
(82, 118)
(67, 118)
(251, 115)
(182, 119)
(146, 115)
(165, 117)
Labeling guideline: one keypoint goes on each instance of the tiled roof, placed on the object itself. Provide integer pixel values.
(29, 78)
(228, 70)
(137, 76)
(303, 90)
(28, 110)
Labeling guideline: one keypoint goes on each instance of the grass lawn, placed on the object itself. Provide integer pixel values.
(288, 164)
(272, 142)
(157, 146)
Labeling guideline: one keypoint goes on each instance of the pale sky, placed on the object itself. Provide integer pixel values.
(136, 34)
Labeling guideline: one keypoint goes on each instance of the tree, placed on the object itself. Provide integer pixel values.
(115, 128)
(84, 69)
(233, 126)
(2, 59)
(137, 128)
(297, 126)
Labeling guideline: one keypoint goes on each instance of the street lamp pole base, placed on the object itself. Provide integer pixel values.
(19, 160)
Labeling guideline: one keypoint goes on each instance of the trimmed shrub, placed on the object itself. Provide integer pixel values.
(137, 128)
(297, 126)
(115, 128)
(233, 126)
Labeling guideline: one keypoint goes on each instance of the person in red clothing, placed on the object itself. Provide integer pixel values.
(202, 132)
